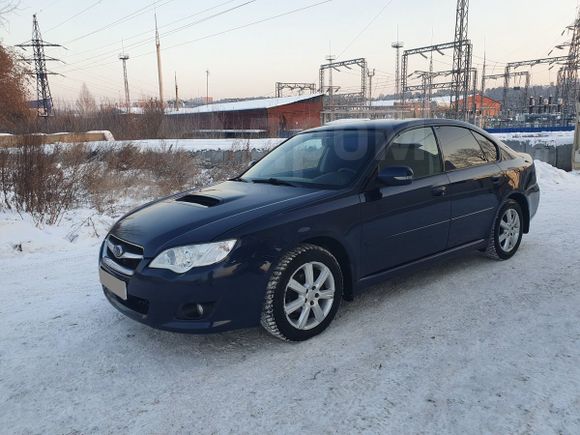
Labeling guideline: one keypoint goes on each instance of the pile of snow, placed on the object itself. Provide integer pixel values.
(551, 177)
(553, 138)
(19, 234)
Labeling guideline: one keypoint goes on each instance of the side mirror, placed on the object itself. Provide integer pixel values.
(396, 176)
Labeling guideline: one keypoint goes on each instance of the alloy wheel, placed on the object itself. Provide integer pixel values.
(509, 230)
(309, 295)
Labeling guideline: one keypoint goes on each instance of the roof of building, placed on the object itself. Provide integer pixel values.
(264, 103)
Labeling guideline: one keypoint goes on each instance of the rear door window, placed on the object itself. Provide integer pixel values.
(460, 148)
(489, 148)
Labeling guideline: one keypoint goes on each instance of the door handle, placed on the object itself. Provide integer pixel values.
(439, 191)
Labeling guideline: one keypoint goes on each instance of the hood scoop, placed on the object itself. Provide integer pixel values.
(201, 200)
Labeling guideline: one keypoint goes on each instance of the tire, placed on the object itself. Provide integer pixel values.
(294, 308)
(506, 234)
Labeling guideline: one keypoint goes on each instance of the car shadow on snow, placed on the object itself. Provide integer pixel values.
(375, 299)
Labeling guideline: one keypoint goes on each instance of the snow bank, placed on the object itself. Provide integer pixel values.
(550, 176)
(19, 235)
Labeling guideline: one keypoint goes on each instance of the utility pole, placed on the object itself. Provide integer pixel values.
(41, 73)
(124, 57)
(483, 84)
(371, 75)
(159, 71)
(207, 86)
(176, 94)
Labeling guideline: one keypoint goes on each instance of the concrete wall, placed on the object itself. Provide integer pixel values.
(14, 140)
(559, 156)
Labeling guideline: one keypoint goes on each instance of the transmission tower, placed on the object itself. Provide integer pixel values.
(124, 57)
(570, 82)
(461, 60)
(41, 73)
(398, 45)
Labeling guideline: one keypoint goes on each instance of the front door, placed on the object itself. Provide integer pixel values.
(406, 223)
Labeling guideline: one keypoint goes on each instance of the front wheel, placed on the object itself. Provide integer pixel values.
(303, 294)
(506, 234)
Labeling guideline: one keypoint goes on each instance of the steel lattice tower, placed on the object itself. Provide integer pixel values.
(397, 45)
(570, 79)
(39, 58)
(461, 60)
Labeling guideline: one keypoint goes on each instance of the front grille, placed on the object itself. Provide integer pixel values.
(121, 256)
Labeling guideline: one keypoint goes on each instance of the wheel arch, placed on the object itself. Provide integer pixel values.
(337, 249)
(521, 199)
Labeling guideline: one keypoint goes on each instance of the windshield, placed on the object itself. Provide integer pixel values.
(327, 159)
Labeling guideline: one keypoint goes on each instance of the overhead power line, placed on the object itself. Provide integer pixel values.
(213, 35)
(88, 8)
(170, 32)
(128, 17)
(375, 18)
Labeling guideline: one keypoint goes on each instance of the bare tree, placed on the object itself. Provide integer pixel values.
(86, 104)
(14, 111)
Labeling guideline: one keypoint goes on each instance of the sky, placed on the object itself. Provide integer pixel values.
(248, 45)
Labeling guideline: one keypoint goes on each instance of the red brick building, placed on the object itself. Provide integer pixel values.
(269, 117)
(485, 106)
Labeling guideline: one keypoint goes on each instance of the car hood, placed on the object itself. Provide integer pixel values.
(201, 216)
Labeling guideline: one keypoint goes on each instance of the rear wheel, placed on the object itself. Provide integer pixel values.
(303, 294)
(507, 232)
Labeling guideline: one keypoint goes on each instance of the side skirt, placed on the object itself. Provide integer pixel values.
(423, 262)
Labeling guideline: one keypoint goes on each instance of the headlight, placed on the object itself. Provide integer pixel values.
(184, 258)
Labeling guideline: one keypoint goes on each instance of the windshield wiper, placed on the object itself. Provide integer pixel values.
(239, 179)
(274, 181)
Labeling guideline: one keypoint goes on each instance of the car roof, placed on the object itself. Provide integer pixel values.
(392, 125)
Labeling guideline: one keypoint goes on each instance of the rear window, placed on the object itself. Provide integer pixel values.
(460, 148)
(489, 149)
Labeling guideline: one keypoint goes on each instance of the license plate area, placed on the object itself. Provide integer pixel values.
(113, 284)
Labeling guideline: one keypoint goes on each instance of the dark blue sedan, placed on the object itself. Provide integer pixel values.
(325, 214)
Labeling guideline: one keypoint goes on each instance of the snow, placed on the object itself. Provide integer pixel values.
(554, 138)
(264, 103)
(468, 346)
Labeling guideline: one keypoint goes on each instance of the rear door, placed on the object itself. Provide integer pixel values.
(474, 178)
(406, 223)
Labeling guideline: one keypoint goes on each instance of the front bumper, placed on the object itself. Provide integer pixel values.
(232, 294)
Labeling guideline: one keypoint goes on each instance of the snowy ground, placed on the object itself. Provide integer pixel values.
(469, 346)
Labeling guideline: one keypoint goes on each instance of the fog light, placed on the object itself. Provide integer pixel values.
(194, 311)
